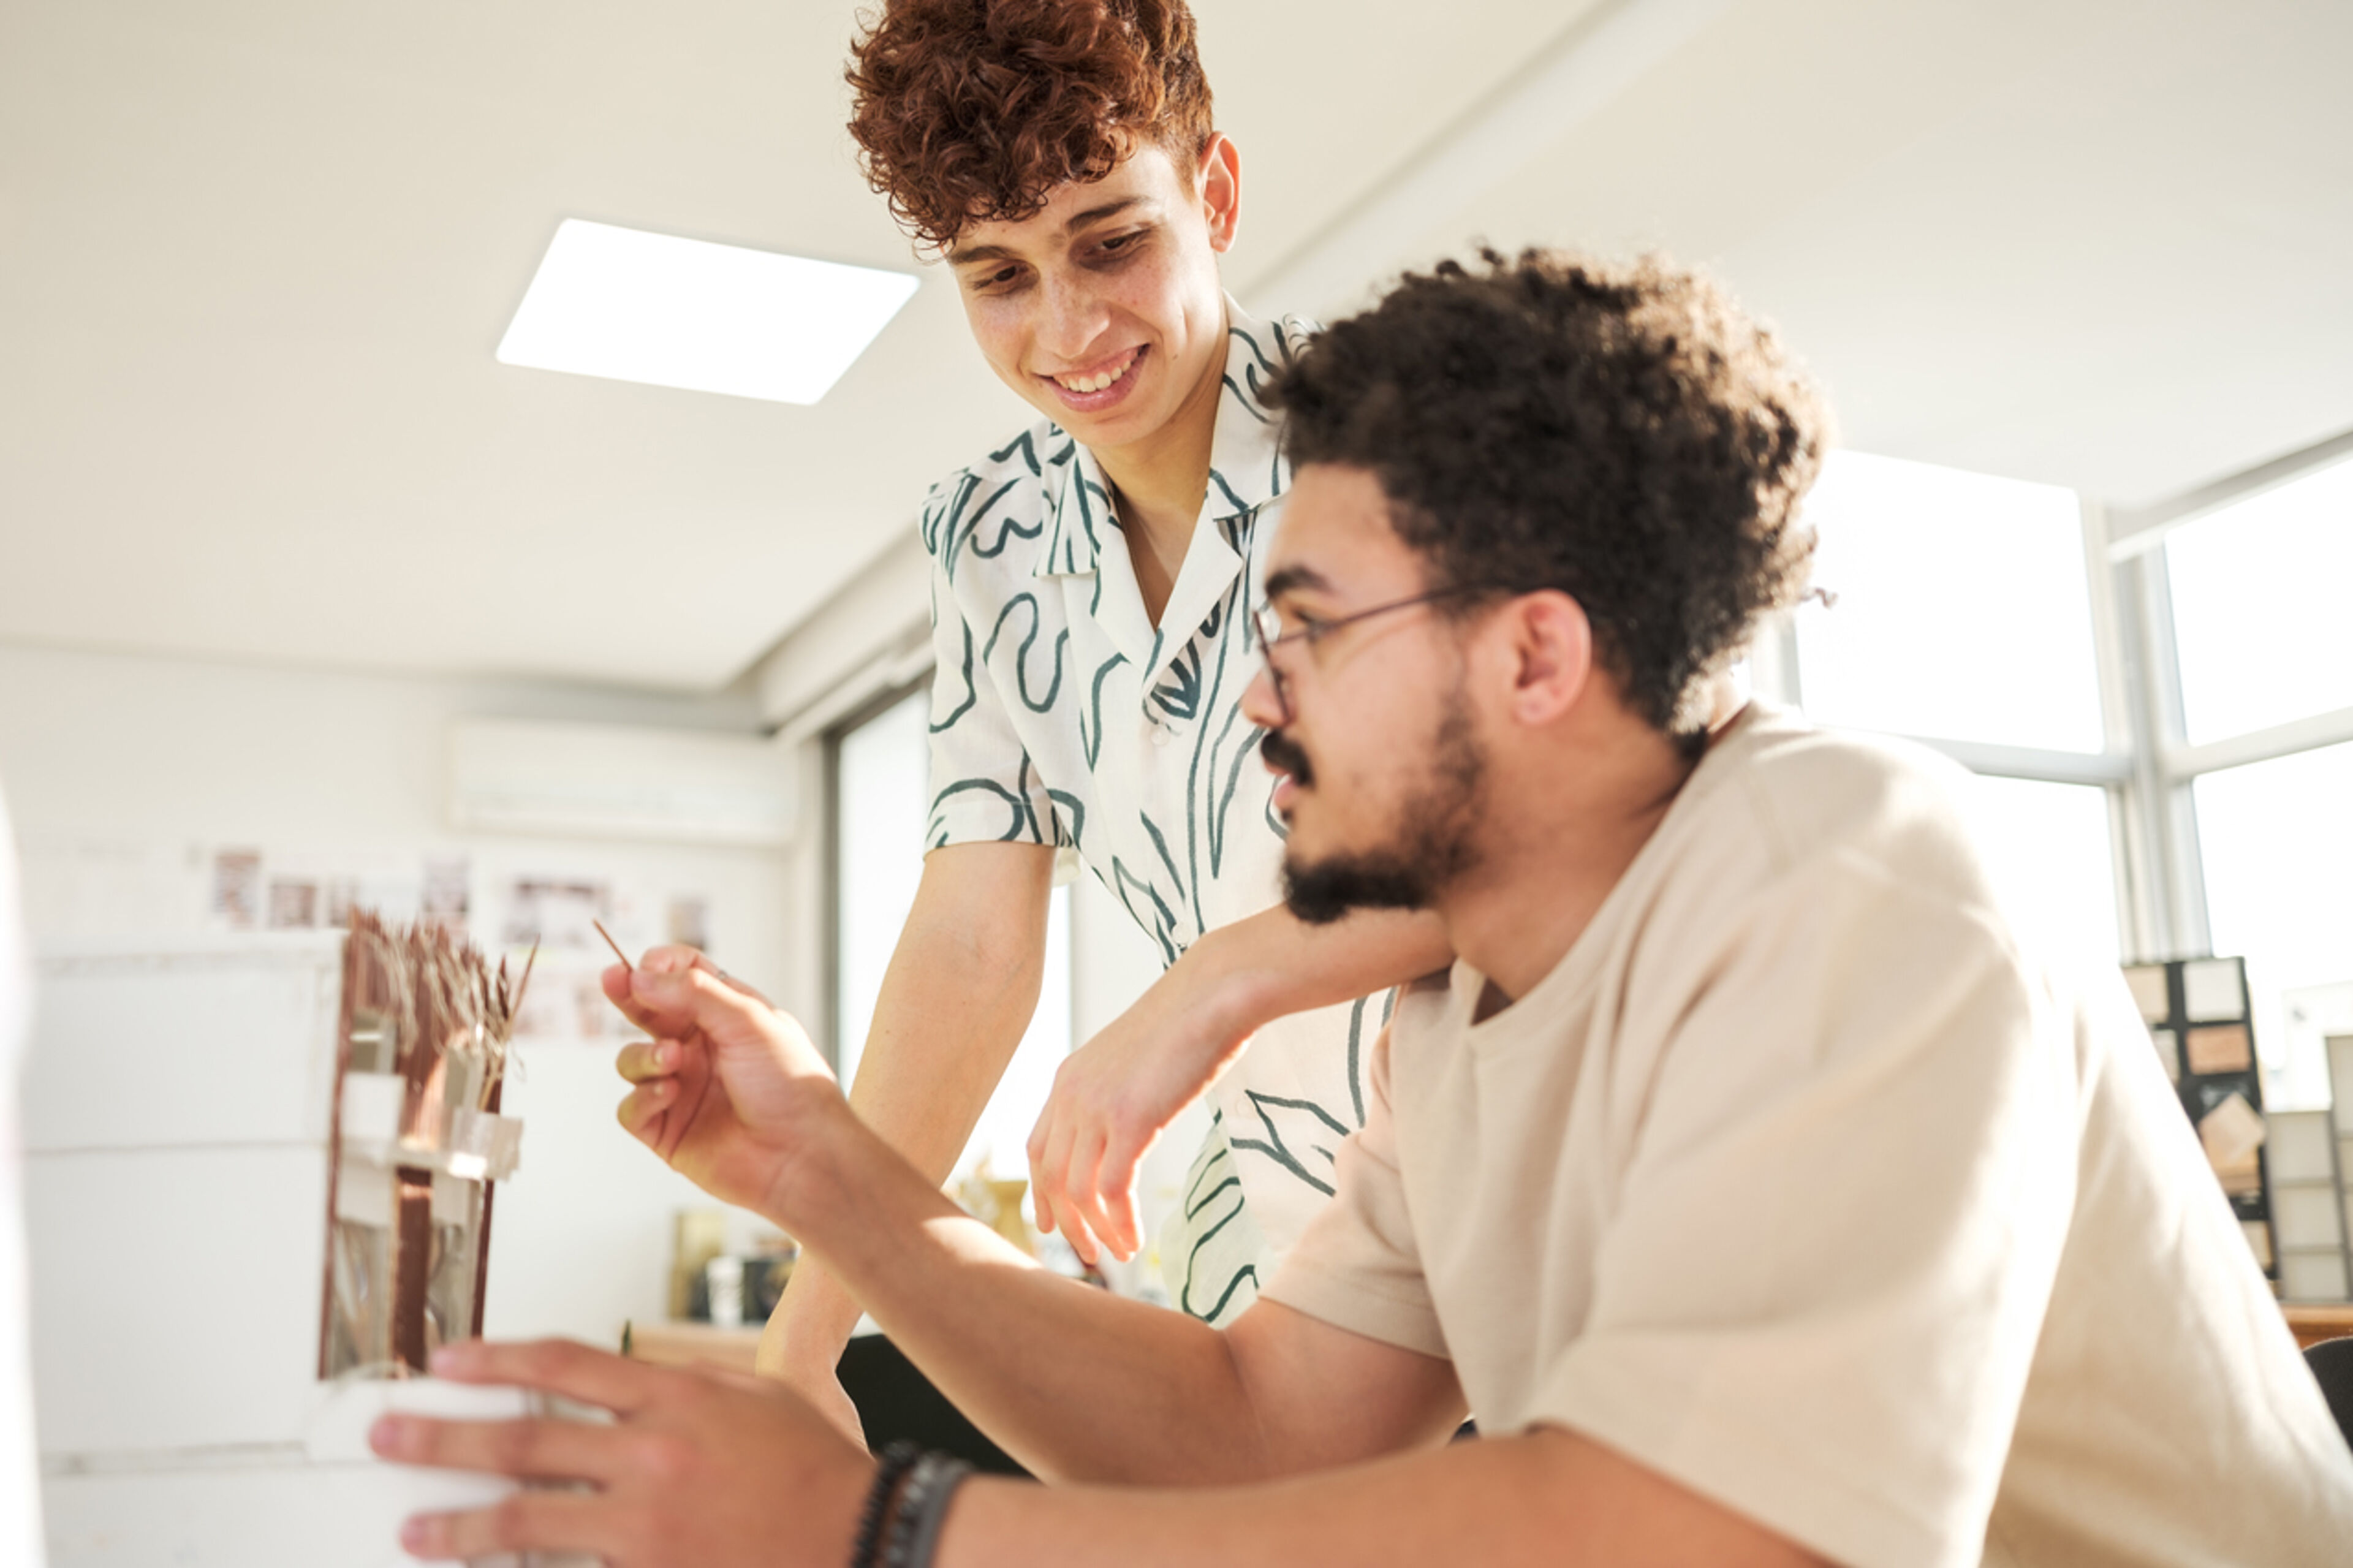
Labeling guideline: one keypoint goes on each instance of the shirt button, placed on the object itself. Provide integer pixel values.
(1159, 737)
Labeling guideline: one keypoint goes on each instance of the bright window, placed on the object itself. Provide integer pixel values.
(2277, 850)
(1962, 607)
(881, 794)
(2047, 847)
(1963, 613)
(2260, 596)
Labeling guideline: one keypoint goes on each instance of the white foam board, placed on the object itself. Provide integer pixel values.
(175, 1050)
(175, 1296)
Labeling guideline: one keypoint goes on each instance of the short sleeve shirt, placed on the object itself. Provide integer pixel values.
(1062, 715)
(1802, 1181)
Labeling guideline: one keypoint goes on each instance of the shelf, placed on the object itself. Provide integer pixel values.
(695, 1344)
(2312, 1324)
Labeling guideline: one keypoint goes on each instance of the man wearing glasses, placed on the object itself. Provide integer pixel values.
(1765, 1193)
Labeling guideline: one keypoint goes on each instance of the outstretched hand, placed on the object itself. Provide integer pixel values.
(725, 1090)
(696, 1470)
(1113, 1098)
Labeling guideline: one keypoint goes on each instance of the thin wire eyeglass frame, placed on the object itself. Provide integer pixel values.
(1267, 623)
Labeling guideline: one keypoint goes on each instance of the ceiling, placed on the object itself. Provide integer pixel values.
(254, 259)
(2097, 243)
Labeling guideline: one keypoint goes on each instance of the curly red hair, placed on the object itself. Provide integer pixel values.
(973, 111)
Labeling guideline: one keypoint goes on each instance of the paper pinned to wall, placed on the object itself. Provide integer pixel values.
(237, 888)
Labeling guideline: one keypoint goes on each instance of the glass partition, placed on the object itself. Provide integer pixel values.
(881, 794)
(1962, 609)
(2276, 842)
(2049, 848)
(2261, 594)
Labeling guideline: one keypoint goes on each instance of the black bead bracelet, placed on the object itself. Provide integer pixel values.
(921, 1510)
(895, 1461)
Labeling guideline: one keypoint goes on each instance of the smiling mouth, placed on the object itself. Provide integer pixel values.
(1107, 375)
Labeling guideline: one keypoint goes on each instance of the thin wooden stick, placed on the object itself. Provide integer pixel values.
(523, 984)
(611, 943)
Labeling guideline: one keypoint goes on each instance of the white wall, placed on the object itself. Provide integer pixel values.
(125, 775)
(20, 1501)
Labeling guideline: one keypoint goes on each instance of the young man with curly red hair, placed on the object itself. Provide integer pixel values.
(1092, 597)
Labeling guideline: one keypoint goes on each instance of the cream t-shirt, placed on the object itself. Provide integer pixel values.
(1802, 1181)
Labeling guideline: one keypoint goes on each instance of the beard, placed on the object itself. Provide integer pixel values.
(1430, 843)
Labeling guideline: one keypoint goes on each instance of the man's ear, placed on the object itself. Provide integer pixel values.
(1218, 179)
(1552, 644)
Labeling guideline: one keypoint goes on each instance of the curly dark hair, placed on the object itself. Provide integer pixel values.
(1621, 433)
(973, 111)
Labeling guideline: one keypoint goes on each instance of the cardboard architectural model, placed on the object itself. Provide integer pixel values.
(338, 1100)
(416, 1143)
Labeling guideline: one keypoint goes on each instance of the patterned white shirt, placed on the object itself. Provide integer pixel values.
(1061, 715)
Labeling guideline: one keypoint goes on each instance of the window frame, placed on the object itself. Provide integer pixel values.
(2147, 767)
(1777, 672)
(2167, 857)
(880, 701)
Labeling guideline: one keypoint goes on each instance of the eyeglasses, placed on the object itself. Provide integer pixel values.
(1310, 631)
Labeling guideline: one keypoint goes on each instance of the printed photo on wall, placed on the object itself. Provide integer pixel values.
(557, 912)
(237, 888)
(293, 903)
(448, 893)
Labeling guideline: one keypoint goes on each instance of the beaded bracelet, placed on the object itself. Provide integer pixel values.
(896, 1460)
(935, 1517)
(922, 1511)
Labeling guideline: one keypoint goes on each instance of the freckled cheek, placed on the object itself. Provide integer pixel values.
(1146, 299)
(1001, 334)
(1007, 361)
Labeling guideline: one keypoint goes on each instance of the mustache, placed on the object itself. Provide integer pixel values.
(1284, 753)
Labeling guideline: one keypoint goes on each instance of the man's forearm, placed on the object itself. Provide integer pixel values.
(957, 997)
(1549, 1497)
(1274, 963)
(1077, 1383)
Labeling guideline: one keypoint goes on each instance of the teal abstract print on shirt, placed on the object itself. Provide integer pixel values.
(1061, 715)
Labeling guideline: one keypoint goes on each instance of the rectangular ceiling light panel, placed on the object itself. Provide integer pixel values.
(631, 306)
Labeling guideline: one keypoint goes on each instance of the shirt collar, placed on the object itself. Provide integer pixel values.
(1246, 467)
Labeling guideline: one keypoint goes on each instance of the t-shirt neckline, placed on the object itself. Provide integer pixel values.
(1577, 966)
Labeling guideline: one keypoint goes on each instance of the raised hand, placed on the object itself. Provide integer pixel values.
(727, 1091)
(1112, 1099)
(668, 960)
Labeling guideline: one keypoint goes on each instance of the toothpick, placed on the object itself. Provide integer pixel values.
(524, 984)
(614, 945)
